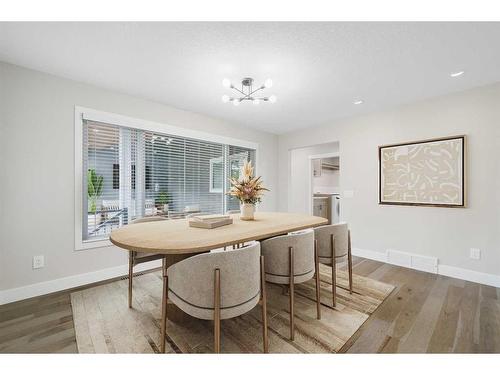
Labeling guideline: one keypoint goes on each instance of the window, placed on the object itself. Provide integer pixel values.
(216, 175)
(129, 172)
(116, 176)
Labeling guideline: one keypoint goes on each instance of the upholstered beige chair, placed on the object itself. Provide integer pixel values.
(136, 257)
(221, 285)
(292, 254)
(333, 242)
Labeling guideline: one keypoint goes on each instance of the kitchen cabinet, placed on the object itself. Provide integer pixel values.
(316, 167)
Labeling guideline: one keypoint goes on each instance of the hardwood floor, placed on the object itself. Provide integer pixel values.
(425, 313)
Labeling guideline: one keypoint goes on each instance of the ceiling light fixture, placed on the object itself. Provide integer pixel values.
(457, 74)
(247, 91)
(357, 102)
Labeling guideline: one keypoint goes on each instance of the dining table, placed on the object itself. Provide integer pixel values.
(176, 240)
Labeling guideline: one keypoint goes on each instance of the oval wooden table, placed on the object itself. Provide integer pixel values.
(177, 240)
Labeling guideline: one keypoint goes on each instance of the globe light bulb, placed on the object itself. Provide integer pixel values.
(226, 82)
(225, 98)
(268, 83)
(236, 102)
(272, 98)
(256, 102)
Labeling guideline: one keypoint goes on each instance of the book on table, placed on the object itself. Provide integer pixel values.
(209, 223)
(210, 218)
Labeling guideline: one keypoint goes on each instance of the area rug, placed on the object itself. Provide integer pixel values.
(105, 324)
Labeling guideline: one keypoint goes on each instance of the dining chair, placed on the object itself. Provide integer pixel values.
(136, 257)
(217, 286)
(334, 242)
(292, 259)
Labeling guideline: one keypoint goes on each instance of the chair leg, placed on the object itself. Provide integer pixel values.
(349, 260)
(291, 287)
(164, 306)
(130, 276)
(264, 305)
(217, 311)
(316, 270)
(334, 272)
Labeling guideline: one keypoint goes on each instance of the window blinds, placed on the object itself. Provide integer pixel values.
(131, 173)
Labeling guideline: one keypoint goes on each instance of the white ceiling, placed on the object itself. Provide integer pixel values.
(318, 69)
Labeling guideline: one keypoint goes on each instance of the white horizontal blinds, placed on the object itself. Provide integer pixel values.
(179, 174)
(236, 157)
(136, 173)
(109, 158)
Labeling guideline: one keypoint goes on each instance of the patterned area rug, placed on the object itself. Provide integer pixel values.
(104, 323)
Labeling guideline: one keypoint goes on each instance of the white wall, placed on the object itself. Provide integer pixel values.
(447, 233)
(299, 176)
(327, 182)
(37, 170)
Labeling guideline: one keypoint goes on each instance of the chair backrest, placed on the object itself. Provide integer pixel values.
(193, 278)
(323, 236)
(231, 212)
(110, 204)
(276, 253)
(147, 219)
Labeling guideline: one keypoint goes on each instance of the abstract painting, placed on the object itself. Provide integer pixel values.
(424, 173)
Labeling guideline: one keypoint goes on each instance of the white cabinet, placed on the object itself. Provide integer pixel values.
(321, 207)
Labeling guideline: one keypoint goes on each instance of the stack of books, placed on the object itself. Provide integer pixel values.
(209, 221)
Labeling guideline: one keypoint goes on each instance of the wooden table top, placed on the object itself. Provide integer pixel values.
(177, 237)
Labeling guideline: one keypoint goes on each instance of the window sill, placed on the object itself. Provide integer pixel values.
(95, 244)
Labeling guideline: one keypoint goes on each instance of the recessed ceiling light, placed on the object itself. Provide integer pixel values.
(457, 74)
(358, 102)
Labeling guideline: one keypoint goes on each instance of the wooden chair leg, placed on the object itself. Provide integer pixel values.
(217, 311)
(130, 276)
(334, 272)
(318, 283)
(164, 306)
(349, 260)
(291, 286)
(264, 305)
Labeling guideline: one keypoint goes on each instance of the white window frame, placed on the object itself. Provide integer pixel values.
(82, 113)
(220, 160)
(213, 161)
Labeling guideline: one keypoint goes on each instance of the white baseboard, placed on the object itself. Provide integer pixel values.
(442, 269)
(46, 287)
(370, 254)
(469, 275)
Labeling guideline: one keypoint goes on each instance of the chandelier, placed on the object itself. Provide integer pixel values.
(247, 92)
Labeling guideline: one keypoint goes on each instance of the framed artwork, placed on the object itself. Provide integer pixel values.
(423, 173)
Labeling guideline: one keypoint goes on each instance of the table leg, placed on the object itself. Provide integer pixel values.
(164, 299)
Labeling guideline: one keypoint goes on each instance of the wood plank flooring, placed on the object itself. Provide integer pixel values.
(425, 313)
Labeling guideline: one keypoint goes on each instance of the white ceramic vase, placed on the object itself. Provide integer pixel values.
(247, 211)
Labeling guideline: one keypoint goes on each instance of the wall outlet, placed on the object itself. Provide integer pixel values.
(475, 253)
(38, 261)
